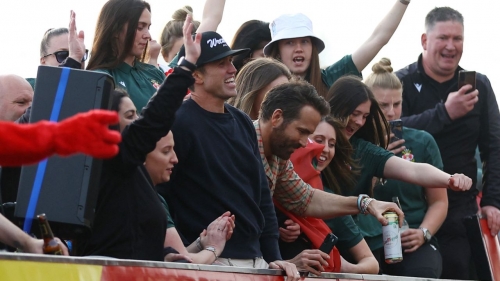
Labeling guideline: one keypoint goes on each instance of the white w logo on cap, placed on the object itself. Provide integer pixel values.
(214, 42)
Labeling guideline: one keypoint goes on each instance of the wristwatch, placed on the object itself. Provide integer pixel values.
(427, 234)
(212, 249)
(189, 65)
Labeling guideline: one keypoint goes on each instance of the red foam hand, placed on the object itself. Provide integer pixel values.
(88, 133)
(85, 132)
(24, 144)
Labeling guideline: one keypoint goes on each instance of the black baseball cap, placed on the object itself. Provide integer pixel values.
(213, 48)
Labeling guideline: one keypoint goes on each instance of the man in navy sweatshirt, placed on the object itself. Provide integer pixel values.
(219, 165)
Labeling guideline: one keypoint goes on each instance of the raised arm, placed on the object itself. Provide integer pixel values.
(212, 15)
(380, 36)
(159, 115)
(424, 175)
(76, 40)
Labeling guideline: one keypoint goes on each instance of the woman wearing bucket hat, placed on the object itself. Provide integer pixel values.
(295, 44)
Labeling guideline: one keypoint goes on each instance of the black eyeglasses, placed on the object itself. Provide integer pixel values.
(62, 55)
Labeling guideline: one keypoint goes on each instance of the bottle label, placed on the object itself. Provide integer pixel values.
(392, 241)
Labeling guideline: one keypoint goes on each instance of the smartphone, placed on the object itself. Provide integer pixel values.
(396, 129)
(328, 243)
(467, 77)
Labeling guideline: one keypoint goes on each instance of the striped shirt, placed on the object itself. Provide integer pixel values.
(286, 186)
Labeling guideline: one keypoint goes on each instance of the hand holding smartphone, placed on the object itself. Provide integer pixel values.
(328, 243)
(467, 77)
(396, 129)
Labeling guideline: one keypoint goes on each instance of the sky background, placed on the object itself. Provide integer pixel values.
(343, 25)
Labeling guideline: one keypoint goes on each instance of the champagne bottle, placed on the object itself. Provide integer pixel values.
(50, 245)
(405, 226)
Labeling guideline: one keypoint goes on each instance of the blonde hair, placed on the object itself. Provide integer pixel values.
(253, 77)
(383, 77)
(173, 29)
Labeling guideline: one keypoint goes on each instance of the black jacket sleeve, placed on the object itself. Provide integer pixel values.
(71, 63)
(140, 137)
(432, 120)
(489, 146)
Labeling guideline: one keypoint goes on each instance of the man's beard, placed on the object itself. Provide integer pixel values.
(281, 145)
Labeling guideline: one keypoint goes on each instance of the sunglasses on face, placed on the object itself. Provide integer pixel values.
(62, 55)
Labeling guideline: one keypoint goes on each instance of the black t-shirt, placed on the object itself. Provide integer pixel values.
(130, 220)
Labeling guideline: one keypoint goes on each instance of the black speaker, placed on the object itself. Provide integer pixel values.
(68, 186)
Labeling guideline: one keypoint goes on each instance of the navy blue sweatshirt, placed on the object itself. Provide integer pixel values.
(220, 170)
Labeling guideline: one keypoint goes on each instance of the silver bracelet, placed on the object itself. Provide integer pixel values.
(405, 2)
(364, 205)
(198, 244)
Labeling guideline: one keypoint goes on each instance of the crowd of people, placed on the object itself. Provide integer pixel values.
(248, 154)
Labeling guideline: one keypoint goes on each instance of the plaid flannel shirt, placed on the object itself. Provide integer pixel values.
(286, 186)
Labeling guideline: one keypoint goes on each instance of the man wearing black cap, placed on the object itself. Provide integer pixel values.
(219, 165)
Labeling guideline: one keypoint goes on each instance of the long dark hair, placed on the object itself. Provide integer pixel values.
(107, 50)
(345, 95)
(253, 34)
(313, 74)
(340, 173)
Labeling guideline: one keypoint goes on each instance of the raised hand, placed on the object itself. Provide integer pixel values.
(192, 46)
(88, 133)
(76, 44)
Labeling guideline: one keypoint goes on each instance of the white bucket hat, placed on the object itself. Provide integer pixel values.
(292, 26)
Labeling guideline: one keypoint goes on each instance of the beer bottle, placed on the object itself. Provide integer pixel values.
(50, 245)
(405, 226)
